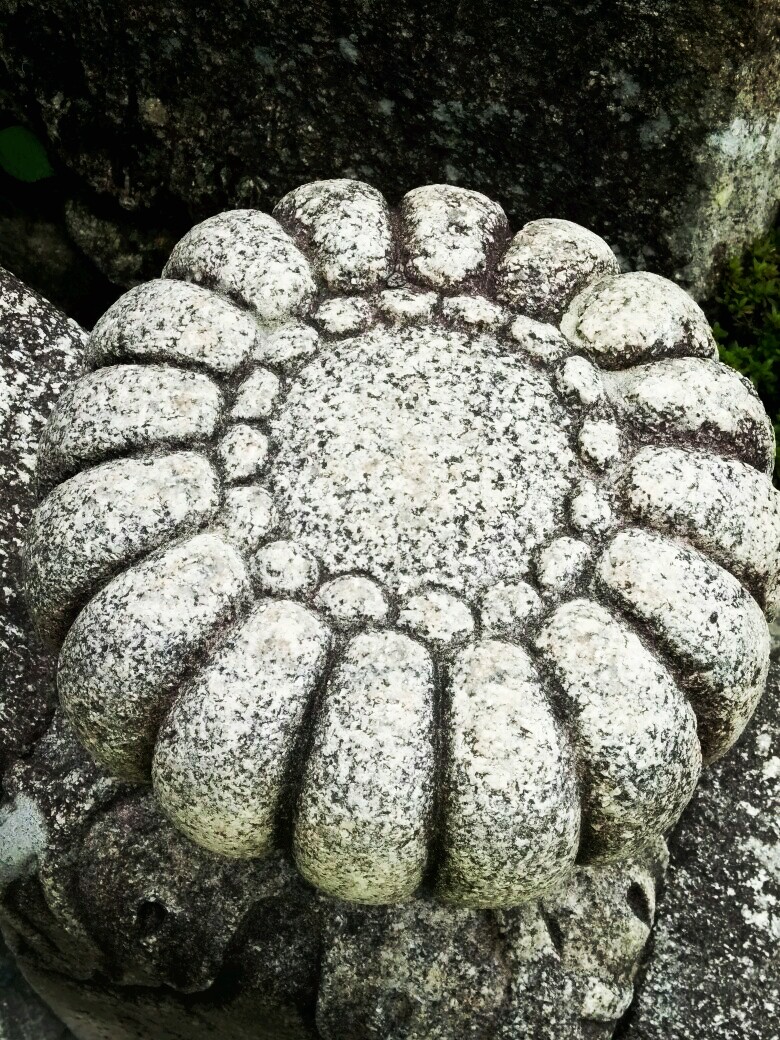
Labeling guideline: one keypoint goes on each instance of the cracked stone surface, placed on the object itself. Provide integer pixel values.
(435, 458)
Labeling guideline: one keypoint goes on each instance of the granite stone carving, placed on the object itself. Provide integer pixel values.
(435, 556)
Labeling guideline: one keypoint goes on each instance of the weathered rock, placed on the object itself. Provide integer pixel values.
(40, 352)
(712, 969)
(654, 124)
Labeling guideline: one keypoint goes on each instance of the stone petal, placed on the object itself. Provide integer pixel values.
(710, 626)
(346, 226)
(122, 409)
(449, 234)
(634, 730)
(223, 752)
(547, 264)
(699, 400)
(361, 831)
(625, 319)
(512, 809)
(167, 320)
(723, 507)
(103, 519)
(126, 651)
(246, 255)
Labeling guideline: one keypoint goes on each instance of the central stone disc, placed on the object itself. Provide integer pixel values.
(423, 456)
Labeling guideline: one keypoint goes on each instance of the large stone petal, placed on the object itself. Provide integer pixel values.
(711, 627)
(246, 255)
(634, 730)
(721, 506)
(101, 520)
(168, 320)
(361, 831)
(223, 752)
(512, 810)
(450, 234)
(346, 225)
(698, 401)
(127, 650)
(547, 264)
(625, 319)
(122, 409)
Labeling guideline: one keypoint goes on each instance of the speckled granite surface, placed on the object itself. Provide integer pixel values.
(713, 965)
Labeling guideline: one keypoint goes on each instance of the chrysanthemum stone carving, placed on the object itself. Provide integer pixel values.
(438, 556)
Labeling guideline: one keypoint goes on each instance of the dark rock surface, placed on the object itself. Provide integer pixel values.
(713, 968)
(655, 124)
(40, 352)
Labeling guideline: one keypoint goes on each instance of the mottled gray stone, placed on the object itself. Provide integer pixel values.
(654, 124)
(712, 969)
(412, 482)
(40, 353)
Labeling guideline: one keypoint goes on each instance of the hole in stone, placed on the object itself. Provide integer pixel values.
(150, 917)
(555, 931)
(640, 907)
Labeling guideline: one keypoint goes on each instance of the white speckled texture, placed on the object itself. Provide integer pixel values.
(625, 319)
(360, 833)
(222, 753)
(512, 809)
(450, 233)
(355, 446)
(546, 265)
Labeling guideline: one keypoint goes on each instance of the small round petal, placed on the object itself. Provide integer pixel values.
(286, 344)
(600, 443)
(561, 565)
(548, 263)
(256, 396)
(580, 382)
(406, 305)
(284, 568)
(353, 600)
(248, 516)
(438, 618)
(475, 311)
(509, 609)
(542, 342)
(344, 315)
(243, 452)
(591, 511)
